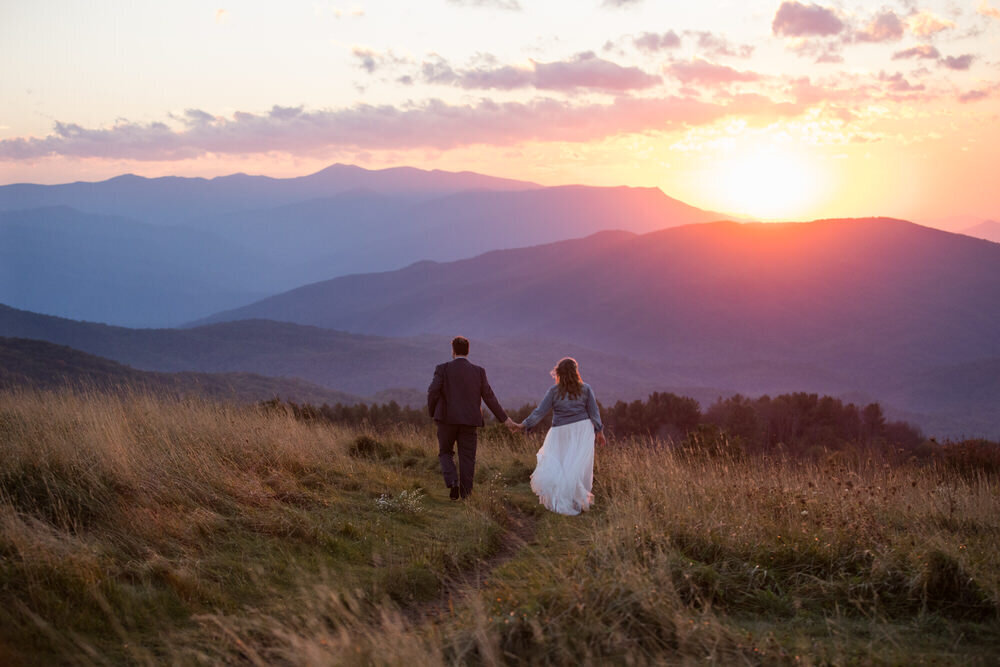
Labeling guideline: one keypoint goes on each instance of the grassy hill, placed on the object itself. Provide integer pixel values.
(35, 364)
(148, 530)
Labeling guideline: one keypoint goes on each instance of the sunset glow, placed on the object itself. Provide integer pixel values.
(769, 184)
(770, 108)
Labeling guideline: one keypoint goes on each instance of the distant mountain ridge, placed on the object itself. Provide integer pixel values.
(361, 365)
(100, 267)
(988, 230)
(198, 246)
(36, 364)
(864, 288)
(866, 304)
(172, 199)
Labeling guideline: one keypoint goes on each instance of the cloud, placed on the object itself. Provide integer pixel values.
(986, 9)
(973, 96)
(924, 51)
(193, 117)
(807, 93)
(886, 27)
(512, 5)
(898, 83)
(924, 24)
(657, 41)
(370, 60)
(958, 62)
(718, 46)
(795, 19)
(706, 73)
(824, 51)
(584, 70)
(432, 124)
(928, 52)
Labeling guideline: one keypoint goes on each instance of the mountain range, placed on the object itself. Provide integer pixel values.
(870, 305)
(987, 229)
(355, 280)
(363, 365)
(876, 308)
(852, 295)
(170, 200)
(160, 252)
(37, 364)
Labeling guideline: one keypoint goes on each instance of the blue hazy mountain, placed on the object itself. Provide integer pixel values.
(173, 199)
(97, 254)
(361, 231)
(106, 268)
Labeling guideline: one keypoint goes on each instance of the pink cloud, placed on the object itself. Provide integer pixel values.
(886, 27)
(808, 93)
(898, 83)
(718, 46)
(923, 51)
(585, 70)
(924, 24)
(958, 62)
(656, 41)
(433, 124)
(795, 19)
(707, 73)
(973, 96)
(986, 9)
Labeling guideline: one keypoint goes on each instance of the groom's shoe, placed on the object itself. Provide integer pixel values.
(455, 492)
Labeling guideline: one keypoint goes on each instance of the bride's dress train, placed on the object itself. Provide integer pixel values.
(564, 474)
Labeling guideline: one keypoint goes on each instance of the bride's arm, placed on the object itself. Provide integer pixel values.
(543, 409)
(594, 412)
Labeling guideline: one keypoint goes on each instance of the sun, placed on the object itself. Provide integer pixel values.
(769, 184)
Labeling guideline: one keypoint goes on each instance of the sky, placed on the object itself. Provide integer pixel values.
(763, 108)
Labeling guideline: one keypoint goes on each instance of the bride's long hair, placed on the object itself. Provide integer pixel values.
(567, 376)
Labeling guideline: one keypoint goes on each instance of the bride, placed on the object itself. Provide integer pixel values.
(564, 475)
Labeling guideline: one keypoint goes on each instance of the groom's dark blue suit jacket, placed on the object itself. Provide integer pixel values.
(457, 391)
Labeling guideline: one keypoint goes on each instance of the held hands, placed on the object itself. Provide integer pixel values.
(513, 426)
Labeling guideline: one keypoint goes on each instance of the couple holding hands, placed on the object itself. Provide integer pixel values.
(564, 474)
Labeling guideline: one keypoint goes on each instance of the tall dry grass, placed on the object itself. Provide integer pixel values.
(137, 529)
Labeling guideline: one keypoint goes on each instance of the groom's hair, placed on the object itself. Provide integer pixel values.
(460, 346)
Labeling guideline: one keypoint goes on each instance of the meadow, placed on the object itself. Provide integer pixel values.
(145, 530)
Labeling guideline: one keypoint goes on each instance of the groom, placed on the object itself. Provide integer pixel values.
(454, 401)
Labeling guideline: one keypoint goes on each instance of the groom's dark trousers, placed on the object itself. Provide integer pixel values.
(454, 400)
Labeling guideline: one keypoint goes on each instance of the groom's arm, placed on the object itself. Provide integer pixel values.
(491, 400)
(434, 391)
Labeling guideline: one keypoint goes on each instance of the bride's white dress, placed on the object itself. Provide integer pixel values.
(564, 475)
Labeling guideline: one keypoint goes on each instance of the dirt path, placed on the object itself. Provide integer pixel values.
(519, 532)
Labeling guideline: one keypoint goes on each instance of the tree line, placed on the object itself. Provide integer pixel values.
(788, 420)
(800, 424)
